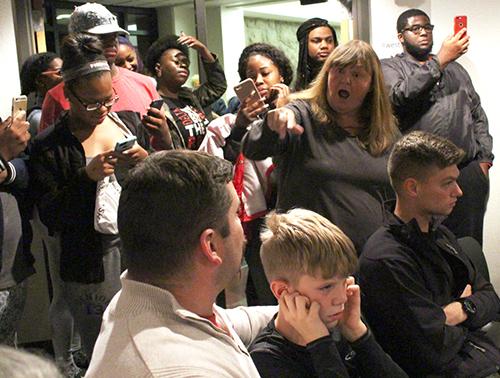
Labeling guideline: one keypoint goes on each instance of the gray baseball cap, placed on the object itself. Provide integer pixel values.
(95, 19)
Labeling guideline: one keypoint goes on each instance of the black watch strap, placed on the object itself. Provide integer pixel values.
(468, 306)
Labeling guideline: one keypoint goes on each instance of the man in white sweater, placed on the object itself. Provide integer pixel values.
(183, 243)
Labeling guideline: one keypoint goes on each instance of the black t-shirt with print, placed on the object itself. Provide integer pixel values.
(192, 122)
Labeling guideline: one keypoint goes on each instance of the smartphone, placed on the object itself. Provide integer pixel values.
(247, 89)
(19, 103)
(459, 23)
(157, 104)
(125, 144)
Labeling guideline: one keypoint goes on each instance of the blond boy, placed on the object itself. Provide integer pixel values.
(318, 330)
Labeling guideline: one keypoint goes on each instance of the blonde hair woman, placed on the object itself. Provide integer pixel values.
(332, 141)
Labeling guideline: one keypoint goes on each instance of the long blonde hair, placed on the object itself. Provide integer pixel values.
(380, 128)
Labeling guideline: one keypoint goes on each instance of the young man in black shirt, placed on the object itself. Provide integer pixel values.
(424, 298)
(318, 331)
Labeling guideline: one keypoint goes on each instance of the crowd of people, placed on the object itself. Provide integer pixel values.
(345, 194)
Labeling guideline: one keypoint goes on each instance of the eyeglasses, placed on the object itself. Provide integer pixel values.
(417, 29)
(97, 105)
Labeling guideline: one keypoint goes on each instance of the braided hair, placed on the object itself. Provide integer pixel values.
(306, 67)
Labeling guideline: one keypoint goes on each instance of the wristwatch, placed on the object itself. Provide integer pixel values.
(468, 306)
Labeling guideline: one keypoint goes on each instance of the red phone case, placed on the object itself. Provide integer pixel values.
(460, 22)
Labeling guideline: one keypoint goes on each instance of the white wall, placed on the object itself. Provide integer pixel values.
(383, 16)
(481, 63)
(233, 42)
(10, 68)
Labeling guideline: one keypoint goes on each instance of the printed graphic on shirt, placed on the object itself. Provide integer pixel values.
(192, 124)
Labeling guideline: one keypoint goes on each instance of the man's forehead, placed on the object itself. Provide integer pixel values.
(418, 20)
(438, 173)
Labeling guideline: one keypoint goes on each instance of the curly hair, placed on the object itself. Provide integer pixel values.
(157, 49)
(277, 56)
(32, 68)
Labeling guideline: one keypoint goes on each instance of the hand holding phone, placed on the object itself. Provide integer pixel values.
(19, 103)
(157, 104)
(459, 23)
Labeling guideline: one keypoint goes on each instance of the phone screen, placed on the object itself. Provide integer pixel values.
(19, 103)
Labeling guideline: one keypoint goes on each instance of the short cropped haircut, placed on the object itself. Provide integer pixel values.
(303, 242)
(403, 18)
(416, 152)
(167, 201)
(157, 49)
(276, 55)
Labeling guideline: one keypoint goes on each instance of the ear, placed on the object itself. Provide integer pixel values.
(209, 243)
(401, 37)
(281, 79)
(410, 186)
(158, 69)
(278, 286)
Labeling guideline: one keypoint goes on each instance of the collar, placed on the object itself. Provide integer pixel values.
(144, 296)
(411, 229)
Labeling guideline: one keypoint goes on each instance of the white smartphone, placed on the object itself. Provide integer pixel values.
(125, 144)
(246, 89)
(19, 103)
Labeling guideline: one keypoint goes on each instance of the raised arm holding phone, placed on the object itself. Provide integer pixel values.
(184, 116)
(434, 93)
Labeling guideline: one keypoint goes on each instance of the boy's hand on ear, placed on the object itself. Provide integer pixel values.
(351, 325)
(303, 316)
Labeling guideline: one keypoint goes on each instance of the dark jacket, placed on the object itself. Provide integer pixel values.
(23, 261)
(200, 98)
(65, 196)
(407, 277)
(444, 103)
(329, 356)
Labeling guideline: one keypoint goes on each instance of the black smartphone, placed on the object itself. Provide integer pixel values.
(157, 104)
